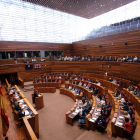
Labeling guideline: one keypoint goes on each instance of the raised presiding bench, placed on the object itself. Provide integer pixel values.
(28, 130)
(69, 93)
(38, 101)
(48, 84)
(45, 89)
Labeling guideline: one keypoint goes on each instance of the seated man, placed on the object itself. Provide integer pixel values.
(17, 107)
(127, 115)
(103, 102)
(130, 111)
(125, 107)
(20, 115)
(101, 122)
(110, 58)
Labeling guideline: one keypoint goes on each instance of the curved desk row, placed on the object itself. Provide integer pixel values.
(69, 93)
(45, 89)
(66, 77)
(109, 85)
(71, 115)
(134, 99)
(48, 84)
(104, 77)
(50, 79)
(89, 94)
(38, 101)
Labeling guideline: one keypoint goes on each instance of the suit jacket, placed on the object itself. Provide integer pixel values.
(17, 107)
(20, 114)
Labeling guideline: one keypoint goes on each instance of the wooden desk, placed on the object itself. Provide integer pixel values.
(34, 122)
(28, 130)
(69, 93)
(21, 83)
(47, 84)
(21, 94)
(45, 89)
(134, 99)
(70, 116)
(90, 125)
(39, 102)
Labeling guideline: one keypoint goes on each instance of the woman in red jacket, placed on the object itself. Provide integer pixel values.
(127, 124)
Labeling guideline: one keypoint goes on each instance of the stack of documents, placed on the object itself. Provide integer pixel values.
(23, 106)
(26, 113)
(119, 123)
(121, 117)
(77, 111)
(96, 114)
(98, 110)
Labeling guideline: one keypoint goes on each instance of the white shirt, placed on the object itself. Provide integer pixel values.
(122, 100)
(102, 102)
(81, 111)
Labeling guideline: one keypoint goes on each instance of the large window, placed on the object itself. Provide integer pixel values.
(23, 21)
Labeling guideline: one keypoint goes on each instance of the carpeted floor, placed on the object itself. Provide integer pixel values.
(52, 122)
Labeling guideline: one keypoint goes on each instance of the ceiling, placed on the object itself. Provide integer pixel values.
(82, 8)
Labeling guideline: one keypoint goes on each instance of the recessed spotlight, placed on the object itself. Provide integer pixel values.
(95, 1)
(77, 1)
(70, 6)
(87, 5)
(101, 5)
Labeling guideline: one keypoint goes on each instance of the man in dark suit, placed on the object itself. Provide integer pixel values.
(17, 107)
(35, 95)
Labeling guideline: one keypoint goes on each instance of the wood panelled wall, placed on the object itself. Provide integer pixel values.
(35, 46)
(126, 70)
(118, 48)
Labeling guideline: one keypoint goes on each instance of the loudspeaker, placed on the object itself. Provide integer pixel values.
(100, 46)
(126, 43)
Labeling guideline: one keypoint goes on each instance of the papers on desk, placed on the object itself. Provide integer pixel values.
(98, 110)
(77, 94)
(17, 97)
(119, 123)
(26, 113)
(28, 116)
(21, 101)
(121, 117)
(39, 95)
(98, 99)
(91, 120)
(96, 114)
(23, 106)
(18, 90)
(74, 113)
(77, 111)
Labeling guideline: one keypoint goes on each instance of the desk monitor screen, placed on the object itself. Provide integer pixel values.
(37, 65)
(27, 67)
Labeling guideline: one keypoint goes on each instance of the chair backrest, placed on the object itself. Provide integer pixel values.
(107, 121)
(134, 127)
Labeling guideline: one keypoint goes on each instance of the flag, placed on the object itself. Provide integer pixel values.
(5, 121)
(0, 85)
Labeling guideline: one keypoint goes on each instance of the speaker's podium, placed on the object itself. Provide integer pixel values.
(38, 101)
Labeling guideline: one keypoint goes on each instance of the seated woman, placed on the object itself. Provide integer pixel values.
(126, 124)
(80, 83)
(70, 87)
(85, 84)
